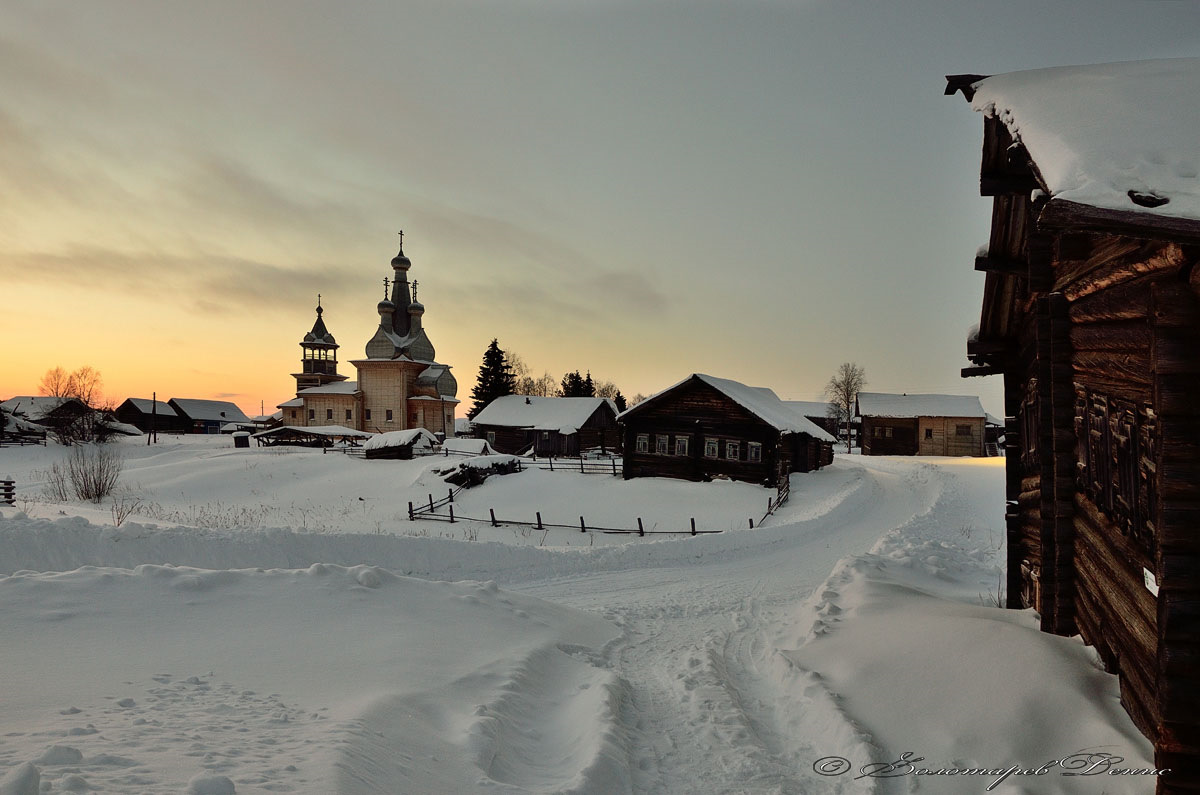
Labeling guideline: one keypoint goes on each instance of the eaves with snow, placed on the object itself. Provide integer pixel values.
(1118, 137)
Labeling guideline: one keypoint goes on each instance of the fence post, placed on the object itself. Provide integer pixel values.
(451, 497)
(451, 513)
(539, 516)
(582, 526)
(492, 511)
(614, 463)
(641, 532)
(693, 525)
(431, 503)
(581, 463)
(410, 511)
(751, 522)
(551, 463)
(769, 507)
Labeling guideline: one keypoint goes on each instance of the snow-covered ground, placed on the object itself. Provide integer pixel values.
(254, 626)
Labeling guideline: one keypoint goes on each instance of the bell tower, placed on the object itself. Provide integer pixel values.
(319, 358)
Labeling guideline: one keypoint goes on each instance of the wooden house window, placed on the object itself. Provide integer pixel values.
(643, 443)
(733, 450)
(681, 445)
(491, 437)
(710, 448)
(754, 451)
(545, 436)
(929, 433)
(962, 430)
(660, 444)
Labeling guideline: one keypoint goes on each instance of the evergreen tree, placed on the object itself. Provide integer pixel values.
(619, 399)
(572, 385)
(495, 379)
(589, 388)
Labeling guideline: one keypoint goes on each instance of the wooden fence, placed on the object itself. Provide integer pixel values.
(8, 492)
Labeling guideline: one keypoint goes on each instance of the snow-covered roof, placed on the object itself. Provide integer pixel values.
(210, 410)
(294, 403)
(334, 388)
(562, 414)
(417, 437)
(315, 430)
(758, 400)
(148, 406)
(472, 446)
(123, 428)
(883, 404)
(35, 408)
(1098, 132)
(809, 408)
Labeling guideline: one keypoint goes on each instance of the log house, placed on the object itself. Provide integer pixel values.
(1091, 311)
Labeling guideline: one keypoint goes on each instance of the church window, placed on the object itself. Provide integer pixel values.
(328, 414)
(293, 413)
(366, 414)
(312, 414)
(962, 430)
(643, 443)
(389, 415)
(349, 413)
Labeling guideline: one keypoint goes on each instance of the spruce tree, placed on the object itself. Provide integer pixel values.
(572, 385)
(495, 379)
(619, 399)
(589, 388)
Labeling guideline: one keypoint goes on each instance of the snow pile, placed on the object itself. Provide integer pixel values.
(468, 446)
(1098, 132)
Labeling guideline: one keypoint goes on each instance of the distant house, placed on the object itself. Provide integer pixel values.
(207, 416)
(51, 413)
(706, 427)
(146, 414)
(921, 424)
(1090, 312)
(549, 426)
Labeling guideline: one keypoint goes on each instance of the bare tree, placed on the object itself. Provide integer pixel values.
(842, 391)
(86, 424)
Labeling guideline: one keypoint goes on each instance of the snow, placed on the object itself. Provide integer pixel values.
(418, 437)
(32, 408)
(319, 647)
(541, 413)
(1098, 132)
(468, 446)
(149, 406)
(882, 404)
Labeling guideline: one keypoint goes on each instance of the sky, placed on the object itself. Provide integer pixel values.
(757, 190)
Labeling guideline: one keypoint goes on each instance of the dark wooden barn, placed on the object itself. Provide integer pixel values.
(706, 427)
(1091, 311)
(150, 415)
(207, 416)
(548, 426)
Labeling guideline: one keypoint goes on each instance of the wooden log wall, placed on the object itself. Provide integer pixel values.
(1175, 315)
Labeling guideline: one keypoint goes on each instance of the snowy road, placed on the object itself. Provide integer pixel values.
(700, 641)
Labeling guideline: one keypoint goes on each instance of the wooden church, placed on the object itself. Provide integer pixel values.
(1091, 312)
(399, 383)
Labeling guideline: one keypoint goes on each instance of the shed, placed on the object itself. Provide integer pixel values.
(400, 444)
(1091, 313)
(549, 426)
(921, 424)
(705, 427)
